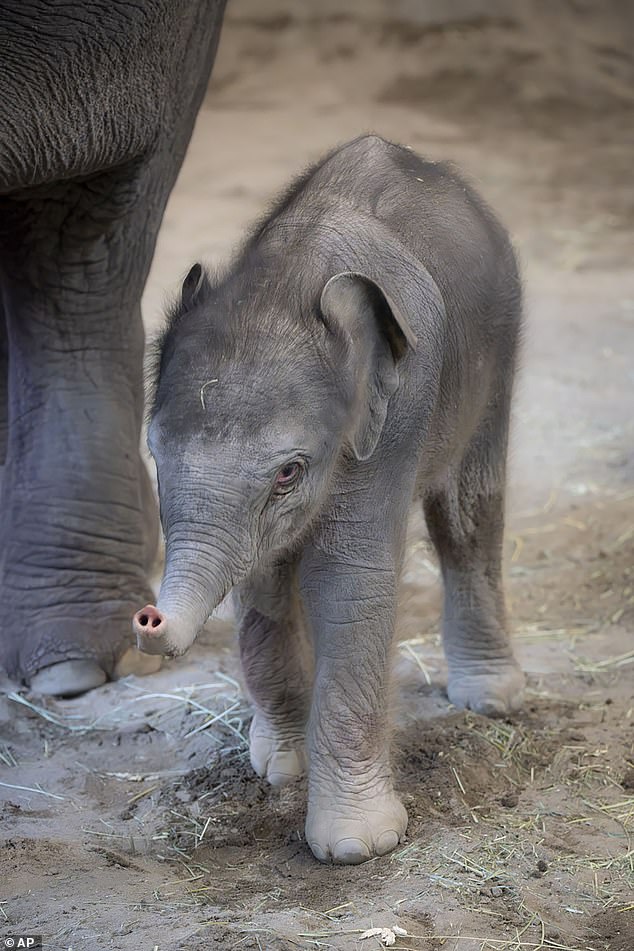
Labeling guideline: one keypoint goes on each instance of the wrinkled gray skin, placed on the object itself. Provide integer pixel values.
(98, 104)
(368, 333)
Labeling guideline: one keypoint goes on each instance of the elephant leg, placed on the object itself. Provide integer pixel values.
(151, 520)
(349, 591)
(465, 517)
(74, 537)
(276, 665)
(4, 392)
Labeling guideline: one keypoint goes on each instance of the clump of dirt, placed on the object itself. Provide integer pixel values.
(239, 808)
(611, 931)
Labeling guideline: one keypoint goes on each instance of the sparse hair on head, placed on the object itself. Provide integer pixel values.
(196, 289)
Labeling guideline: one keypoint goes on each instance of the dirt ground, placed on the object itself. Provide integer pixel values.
(131, 819)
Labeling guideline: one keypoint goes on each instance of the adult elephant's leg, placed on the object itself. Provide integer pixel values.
(4, 395)
(84, 179)
(74, 536)
(150, 506)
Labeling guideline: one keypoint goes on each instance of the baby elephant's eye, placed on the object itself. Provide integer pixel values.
(287, 477)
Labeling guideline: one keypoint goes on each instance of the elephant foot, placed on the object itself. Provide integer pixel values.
(70, 678)
(352, 826)
(278, 756)
(495, 691)
(64, 642)
(135, 662)
(73, 573)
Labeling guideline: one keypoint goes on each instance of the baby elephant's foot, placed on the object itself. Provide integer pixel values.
(276, 755)
(352, 827)
(495, 691)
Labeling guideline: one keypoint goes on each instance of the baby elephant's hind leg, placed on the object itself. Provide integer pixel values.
(276, 664)
(465, 518)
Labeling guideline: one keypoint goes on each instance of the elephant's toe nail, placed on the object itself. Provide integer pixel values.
(133, 661)
(318, 852)
(68, 678)
(276, 778)
(386, 842)
(283, 768)
(490, 707)
(493, 706)
(351, 851)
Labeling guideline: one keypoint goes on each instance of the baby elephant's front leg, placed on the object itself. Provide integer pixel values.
(353, 812)
(277, 671)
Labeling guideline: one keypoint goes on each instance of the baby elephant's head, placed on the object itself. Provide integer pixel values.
(259, 397)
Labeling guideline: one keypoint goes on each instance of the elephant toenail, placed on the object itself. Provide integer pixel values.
(386, 842)
(492, 707)
(351, 851)
(68, 678)
(278, 777)
(318, 852)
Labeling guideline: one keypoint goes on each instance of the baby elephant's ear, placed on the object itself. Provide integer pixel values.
(193, 284)
(379, 335)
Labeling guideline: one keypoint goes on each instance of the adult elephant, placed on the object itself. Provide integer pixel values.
(98, 105)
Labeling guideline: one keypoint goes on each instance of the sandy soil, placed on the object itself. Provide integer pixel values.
(131, 818)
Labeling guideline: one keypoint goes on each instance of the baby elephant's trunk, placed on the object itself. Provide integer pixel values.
(193, 585)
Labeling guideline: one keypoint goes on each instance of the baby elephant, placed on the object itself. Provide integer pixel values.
(358, 353)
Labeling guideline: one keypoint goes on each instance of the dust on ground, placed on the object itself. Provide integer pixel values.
(132, 819)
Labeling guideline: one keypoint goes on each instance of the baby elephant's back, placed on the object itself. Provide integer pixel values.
(434, 213)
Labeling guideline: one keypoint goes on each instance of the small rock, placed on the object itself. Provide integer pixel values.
(542, 866)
